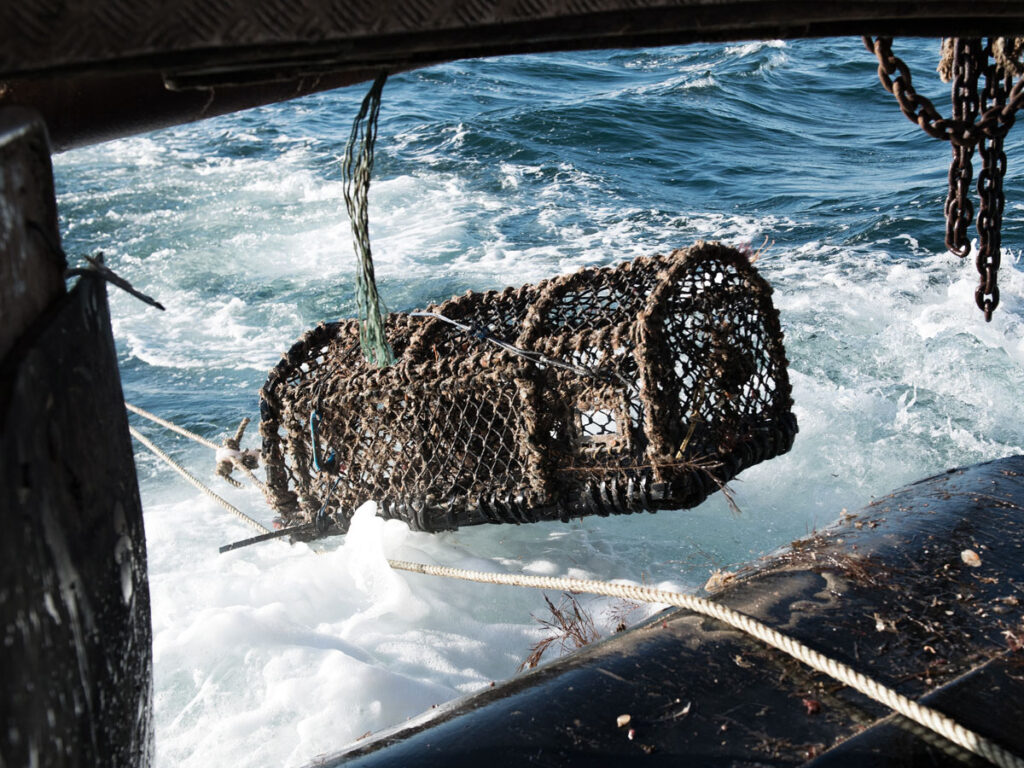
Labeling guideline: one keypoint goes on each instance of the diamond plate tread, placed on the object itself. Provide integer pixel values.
(44, 34)
(41, 36)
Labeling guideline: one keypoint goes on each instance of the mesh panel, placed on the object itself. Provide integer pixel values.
(660, 380)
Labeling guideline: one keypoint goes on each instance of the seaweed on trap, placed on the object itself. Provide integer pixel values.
(614, 390)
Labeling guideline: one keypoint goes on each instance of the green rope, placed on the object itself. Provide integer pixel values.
(356, 172)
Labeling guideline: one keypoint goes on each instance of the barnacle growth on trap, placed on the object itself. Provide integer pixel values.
(613, 390)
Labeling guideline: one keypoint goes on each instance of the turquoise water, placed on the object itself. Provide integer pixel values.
(491, 173)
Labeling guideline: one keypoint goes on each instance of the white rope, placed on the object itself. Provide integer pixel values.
(198, 483)
(218, 449)
(919, 713)
(248, 473)
(171, 426)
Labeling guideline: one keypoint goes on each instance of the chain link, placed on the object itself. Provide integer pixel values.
(977, 121)
(990, 191)
(959, 208)
(918, 109)
(995, 121)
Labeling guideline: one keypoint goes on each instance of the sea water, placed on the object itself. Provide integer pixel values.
(496, 172)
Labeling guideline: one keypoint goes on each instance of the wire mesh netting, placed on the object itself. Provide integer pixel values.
(643, 386)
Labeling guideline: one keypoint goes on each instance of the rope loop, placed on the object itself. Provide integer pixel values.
(320, 465)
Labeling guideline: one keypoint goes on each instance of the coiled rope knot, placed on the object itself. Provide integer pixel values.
(230, 455)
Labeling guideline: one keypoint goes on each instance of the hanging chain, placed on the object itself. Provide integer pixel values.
(990, 191)
(977, 121)
(959, 208)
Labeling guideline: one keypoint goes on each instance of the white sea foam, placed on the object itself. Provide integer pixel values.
(754, 46)
(299, 653)
(273, 655)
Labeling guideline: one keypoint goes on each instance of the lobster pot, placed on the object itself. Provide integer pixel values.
(613, 390)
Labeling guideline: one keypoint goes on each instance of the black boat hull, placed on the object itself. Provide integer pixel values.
(887, 591)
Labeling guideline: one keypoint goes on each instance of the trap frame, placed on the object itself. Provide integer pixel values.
(644, 386)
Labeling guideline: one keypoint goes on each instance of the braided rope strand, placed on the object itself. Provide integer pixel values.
(357, 170)
(254, 524)
(919, 713)
(171, 426)
(202, 441)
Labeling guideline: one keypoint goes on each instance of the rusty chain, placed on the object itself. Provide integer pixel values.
(994, 122)
(990, 190)
(959, 208)
(979, 122)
